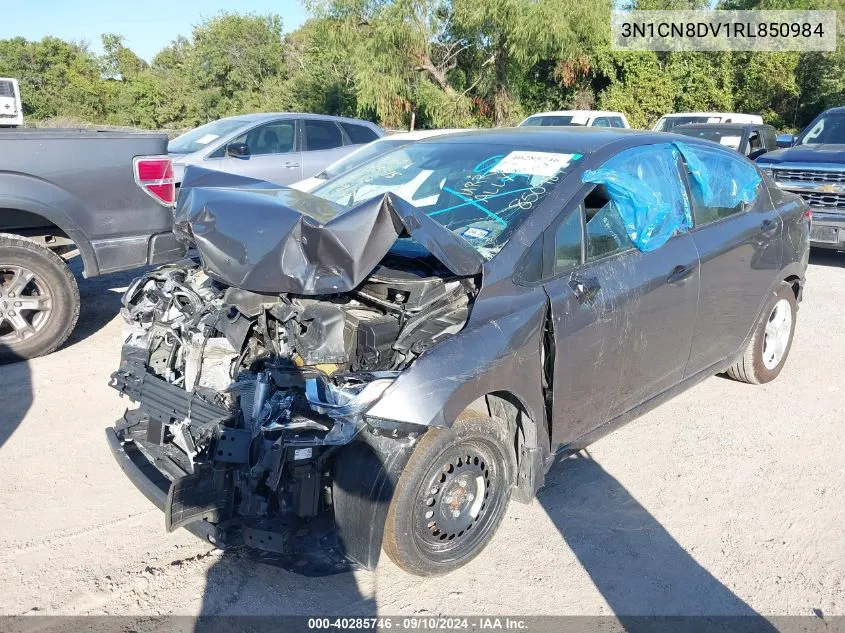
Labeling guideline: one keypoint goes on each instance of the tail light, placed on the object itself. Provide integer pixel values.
(154, 174)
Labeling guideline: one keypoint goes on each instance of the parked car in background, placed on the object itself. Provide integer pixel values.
(387, 360)
(106, 196)
(749, 139)
(585, 118)
(667, 122)
(366, 154)
(813, 166)
(281, 148)
(11, 110)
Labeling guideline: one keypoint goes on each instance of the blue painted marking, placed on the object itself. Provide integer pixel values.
(476, 205)
(469, 202)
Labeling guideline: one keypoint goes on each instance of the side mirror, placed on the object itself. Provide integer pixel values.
(785, 140)
(237, 150)
(757, 153)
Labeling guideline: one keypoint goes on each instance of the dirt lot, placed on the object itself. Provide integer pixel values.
(728, 500)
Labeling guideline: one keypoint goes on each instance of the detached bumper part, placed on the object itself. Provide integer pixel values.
(152, 483)
(309, 548)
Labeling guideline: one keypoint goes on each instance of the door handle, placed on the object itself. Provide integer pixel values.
(290, 164)
(585, 290)
(679, 273)
(768, 226)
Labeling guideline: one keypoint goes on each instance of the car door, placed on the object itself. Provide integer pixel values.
(622, 318)
(323, 144)
(272, 153)
(739, 246)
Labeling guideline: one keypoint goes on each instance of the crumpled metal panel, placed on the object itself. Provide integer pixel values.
(263, 238)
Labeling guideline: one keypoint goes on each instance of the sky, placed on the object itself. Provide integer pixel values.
(147, 26)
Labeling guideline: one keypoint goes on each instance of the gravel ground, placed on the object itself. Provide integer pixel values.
(728, 500)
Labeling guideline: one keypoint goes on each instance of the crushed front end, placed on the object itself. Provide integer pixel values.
(251, 426)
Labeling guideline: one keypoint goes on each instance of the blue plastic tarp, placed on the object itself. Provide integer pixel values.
(644, 185)
(720, 180)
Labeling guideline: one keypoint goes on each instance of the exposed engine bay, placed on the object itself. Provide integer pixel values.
(247, 399)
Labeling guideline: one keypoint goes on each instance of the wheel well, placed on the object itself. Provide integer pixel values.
(795, 282)
(28, 224)
(507, 409)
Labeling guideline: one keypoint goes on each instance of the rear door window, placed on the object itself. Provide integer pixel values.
(616, 121)
(721, 184)
(358, 134)
(601, 122)
(320, 135)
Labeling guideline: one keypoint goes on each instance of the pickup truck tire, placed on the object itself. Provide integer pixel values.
(450, 497)
(766, 354)
(39, 299)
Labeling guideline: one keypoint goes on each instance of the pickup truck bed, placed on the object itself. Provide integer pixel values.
(69, 192)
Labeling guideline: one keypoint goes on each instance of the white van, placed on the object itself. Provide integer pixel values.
(11, 112)
(668, 121)
(581, 118)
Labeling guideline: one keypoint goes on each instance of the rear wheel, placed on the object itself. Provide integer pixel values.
(450, 498)
(766, 354)
(39, 299)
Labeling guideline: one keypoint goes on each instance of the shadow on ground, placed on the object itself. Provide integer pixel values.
(15, 396)
(633, 561)
(99, 300)
(827, 257)
(636, 565)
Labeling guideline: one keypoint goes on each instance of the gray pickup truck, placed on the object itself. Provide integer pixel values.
(105, 196)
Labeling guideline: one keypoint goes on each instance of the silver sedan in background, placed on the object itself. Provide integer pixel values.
(278, 147)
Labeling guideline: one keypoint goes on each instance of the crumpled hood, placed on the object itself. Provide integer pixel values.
(264, 238)
(820, 153)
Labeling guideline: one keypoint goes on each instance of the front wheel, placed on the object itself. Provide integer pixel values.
(39, 299)
(450, 498)
(766, 354)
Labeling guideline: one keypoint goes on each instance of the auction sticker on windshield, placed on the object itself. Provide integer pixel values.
(534, 163)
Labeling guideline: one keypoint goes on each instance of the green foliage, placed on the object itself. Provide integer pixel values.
(436, 63)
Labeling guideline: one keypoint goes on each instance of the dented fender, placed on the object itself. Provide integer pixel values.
(496, 351)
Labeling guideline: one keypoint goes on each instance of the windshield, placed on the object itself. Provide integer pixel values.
(361, 156)
(555, 119)
(480, 192)
(828, 128)
(200, 137)
(667, 123)
(724, 136)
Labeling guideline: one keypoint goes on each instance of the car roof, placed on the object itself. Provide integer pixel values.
(257, 117)
(677, 114)
(573, 112)
(581, 140)
(721, 126)
(417, 135)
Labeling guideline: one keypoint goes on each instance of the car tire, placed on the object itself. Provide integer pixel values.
(31, 275)
(451, 497)
(766, 354)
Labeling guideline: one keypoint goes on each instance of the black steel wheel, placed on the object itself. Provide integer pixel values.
(450, 498)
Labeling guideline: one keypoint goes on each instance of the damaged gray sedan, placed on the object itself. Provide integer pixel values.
(386, 362)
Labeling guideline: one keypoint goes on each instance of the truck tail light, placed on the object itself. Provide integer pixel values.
(154, 174)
